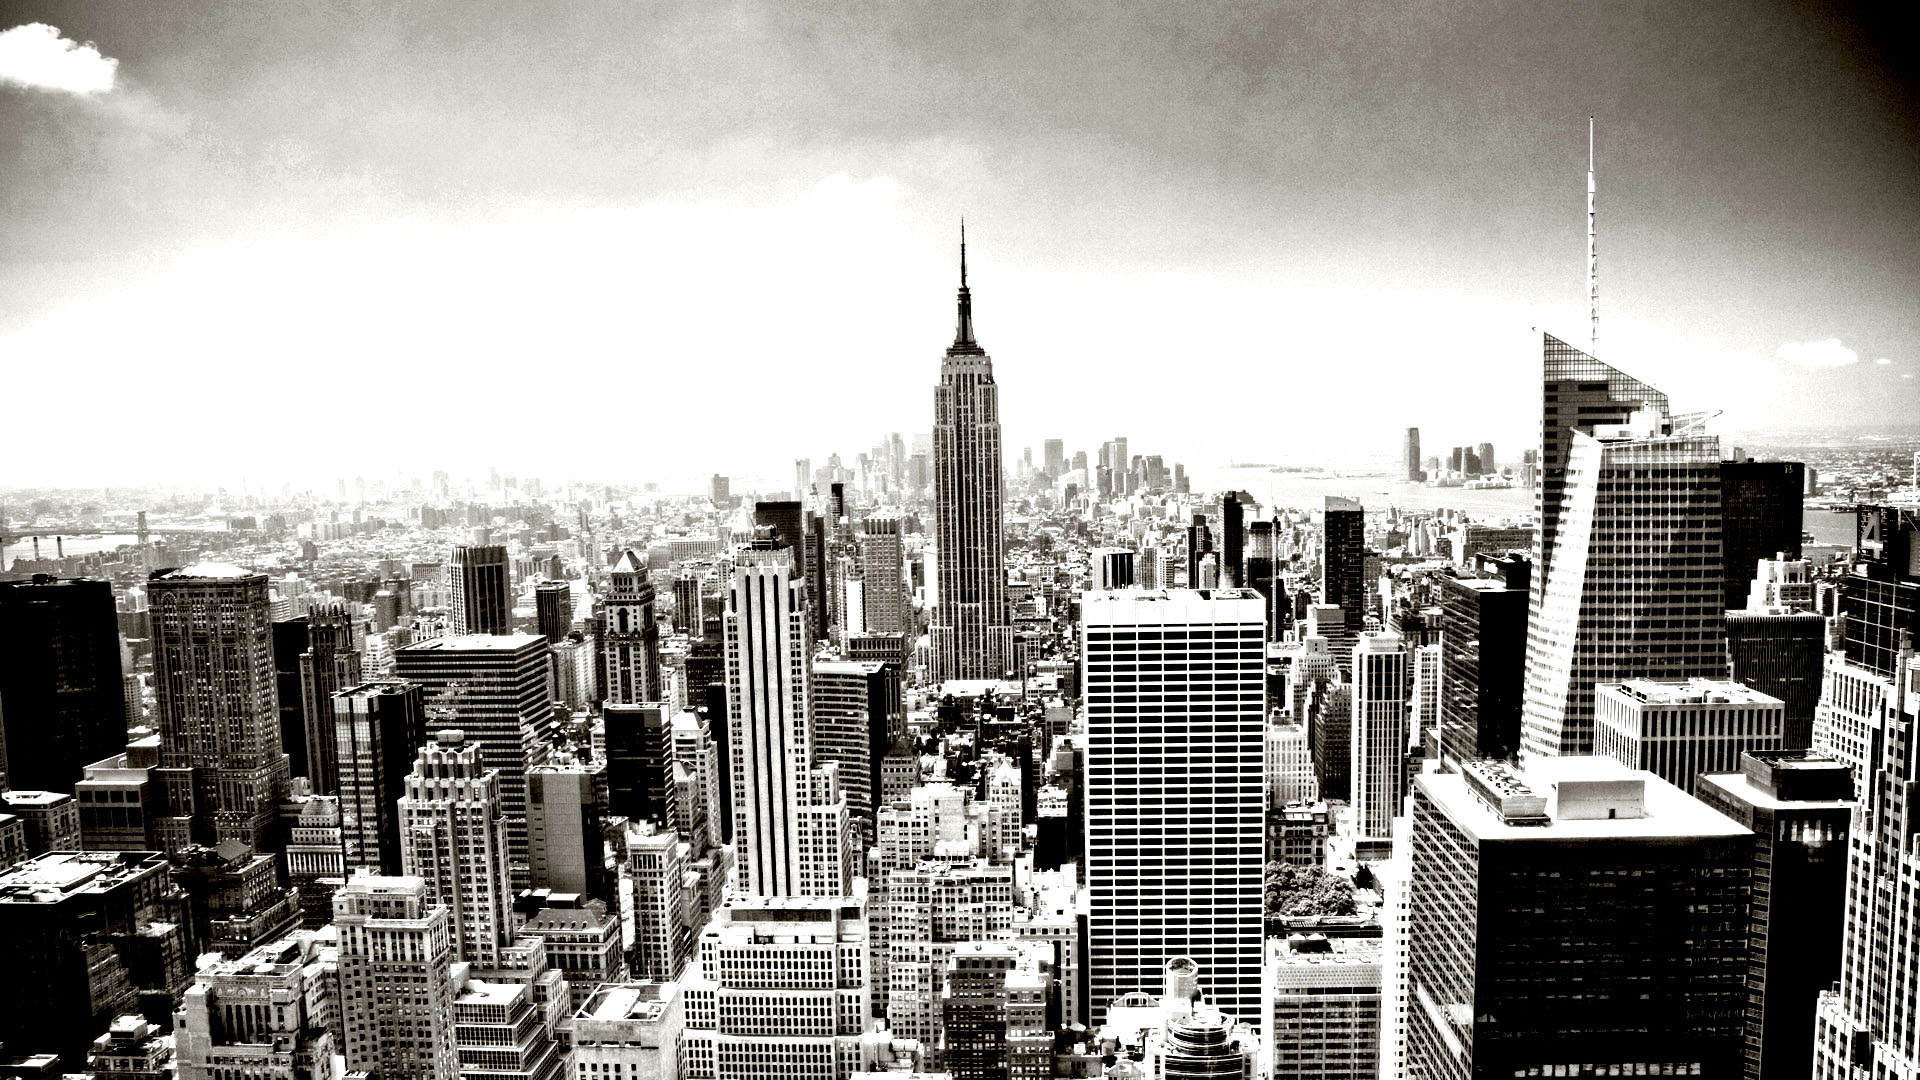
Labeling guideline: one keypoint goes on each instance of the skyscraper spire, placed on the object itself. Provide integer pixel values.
(1593, 259)
(963, 342)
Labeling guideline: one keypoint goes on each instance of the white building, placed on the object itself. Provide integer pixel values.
(1678, 730)
(453, 835)
(396, 979)
(1322, 1017)
(1174, 695)
(1379, 732)
(267, 1015)
(630, 1031)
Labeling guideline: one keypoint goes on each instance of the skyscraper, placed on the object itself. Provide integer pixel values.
(882, 577)
(453, 832)
(378, 728)
(1233, 540)
(1379, 770)
(61, 707)
(631, 642)
(1634, 588)
(971, 636)
(1053, 457)
(397, 953)
(330, 664)
(1343, 558)
(478, 581)
(553, 610)
(1410, 457)
(1762, 505)
(1174, 691)
(639, 752)
(221, 773)
(1483, 656)
(1580, 918)
(857, 714)
(565, 837)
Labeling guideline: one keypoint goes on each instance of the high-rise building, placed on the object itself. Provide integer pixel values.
(1781, 653)
(1880, 596)
(1799, 807)
(662, 907)
(1343, 558)
(61, 702)
(492, 689)
(971, 635)
(1580, 918)
(1322, 1015)
(553, 610)
(566, 845)
(994, 1013)
(506, 1026)
(221, 771)
(883, 587)
(481, 589)
(1110, 568)
(1410, 457)
(1483, 657)
(1289, 764)
(1379, 770)
(778, 800)
(290, 641)
(453, 832)
(1485, 453)
(397, 952)
(857, 714)
(639, 751)
(266, 1015)
(720, 490)
(1634, 588)
(1762, 505)
(631, 640)
(631, 1030)
(330, 664)
(780, 989)
(1678, 730)
(378, 728)
(1054, 457)
(689, 614)
(582, 940)
(1174, 686)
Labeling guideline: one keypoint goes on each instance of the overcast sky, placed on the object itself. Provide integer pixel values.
(634, 240)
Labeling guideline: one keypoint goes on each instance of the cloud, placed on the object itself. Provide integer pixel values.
(1828, 353)
(1883, 361)
(34, 55)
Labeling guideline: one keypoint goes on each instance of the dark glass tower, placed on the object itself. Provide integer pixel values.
(1483, 659)
(553, 608)
(1881, 596)
(1233, 539)
(1343, 559)
(1761, 507)
(477, 578)
(60, 692)
(640, 763)
(971, 636)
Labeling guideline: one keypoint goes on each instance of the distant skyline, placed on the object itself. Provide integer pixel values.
(621, 242)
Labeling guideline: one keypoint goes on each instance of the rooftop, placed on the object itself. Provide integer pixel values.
(474, 643)
(1664, 811)
(1689, 692)
(33, 799)
(208, 570)
(56, 875)
(628, 1001)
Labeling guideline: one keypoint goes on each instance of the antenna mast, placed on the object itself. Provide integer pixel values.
(1593, 259)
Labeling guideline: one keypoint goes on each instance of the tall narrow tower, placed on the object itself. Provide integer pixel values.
(1593, 257)
(632, 636)
(971, 636)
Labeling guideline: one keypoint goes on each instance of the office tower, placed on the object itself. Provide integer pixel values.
(857, 714)
(1678, 730)
(481, 589)
(720, 490)
(791, 973)
(1522, 957)
(631, 1030)
(631, 641)
(582, 941)
(1880, 595)
(1762, 505)
(492, 689)
(1781, 653)
(86, 935)
(378, 728)
(132, 1049)
(61, 702)
(1410, 457)
(994, 1013)
(1799, 807)
(119, 803)
(1423, 703)
(1483, 659)
(822, 597)
(1343, 558)
(1174, 696)
(1485, 453)
(971, 636)
(453, 834)
(932, 908)
(566, 846)
(506, 1026)
(1379, 733)
(1289, 763)
(1054, 454)
(1864, 1025)
(553, 610)
(290, 641)
(315, 866)
(1634, 587)
(1579, 394)
(640, 762)
(329, 665)
(1322, 1015)
(778, 801)
(664, 910)
(1233, 540)
(696, 781)
(260, 1016)
(1109, 568)
(50, 821)
(883, 589)
(688, 613)
(1199, 546)
(221, 770)
(397, 951)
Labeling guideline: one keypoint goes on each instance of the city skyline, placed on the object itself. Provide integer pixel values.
(1275, 197)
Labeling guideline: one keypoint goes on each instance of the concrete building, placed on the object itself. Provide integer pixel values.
(566, 842)
(453, 832)
(1297, 833)
(885, 605)
(630, 643)
(1678, 730)
(266, 1015)
(630, 1031)
(1380, 731)
(50, 820)
(378, 728)
(857, 713)
(1174, 686)
(498, 1033)
(396, 955)
(1322, 1015)
(994, 1013)
(1289, 764)
(582, 941)
(663, 904)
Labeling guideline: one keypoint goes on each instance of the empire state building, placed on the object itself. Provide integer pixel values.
(971, 636)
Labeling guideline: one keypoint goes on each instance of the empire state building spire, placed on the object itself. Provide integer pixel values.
(963, 343)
